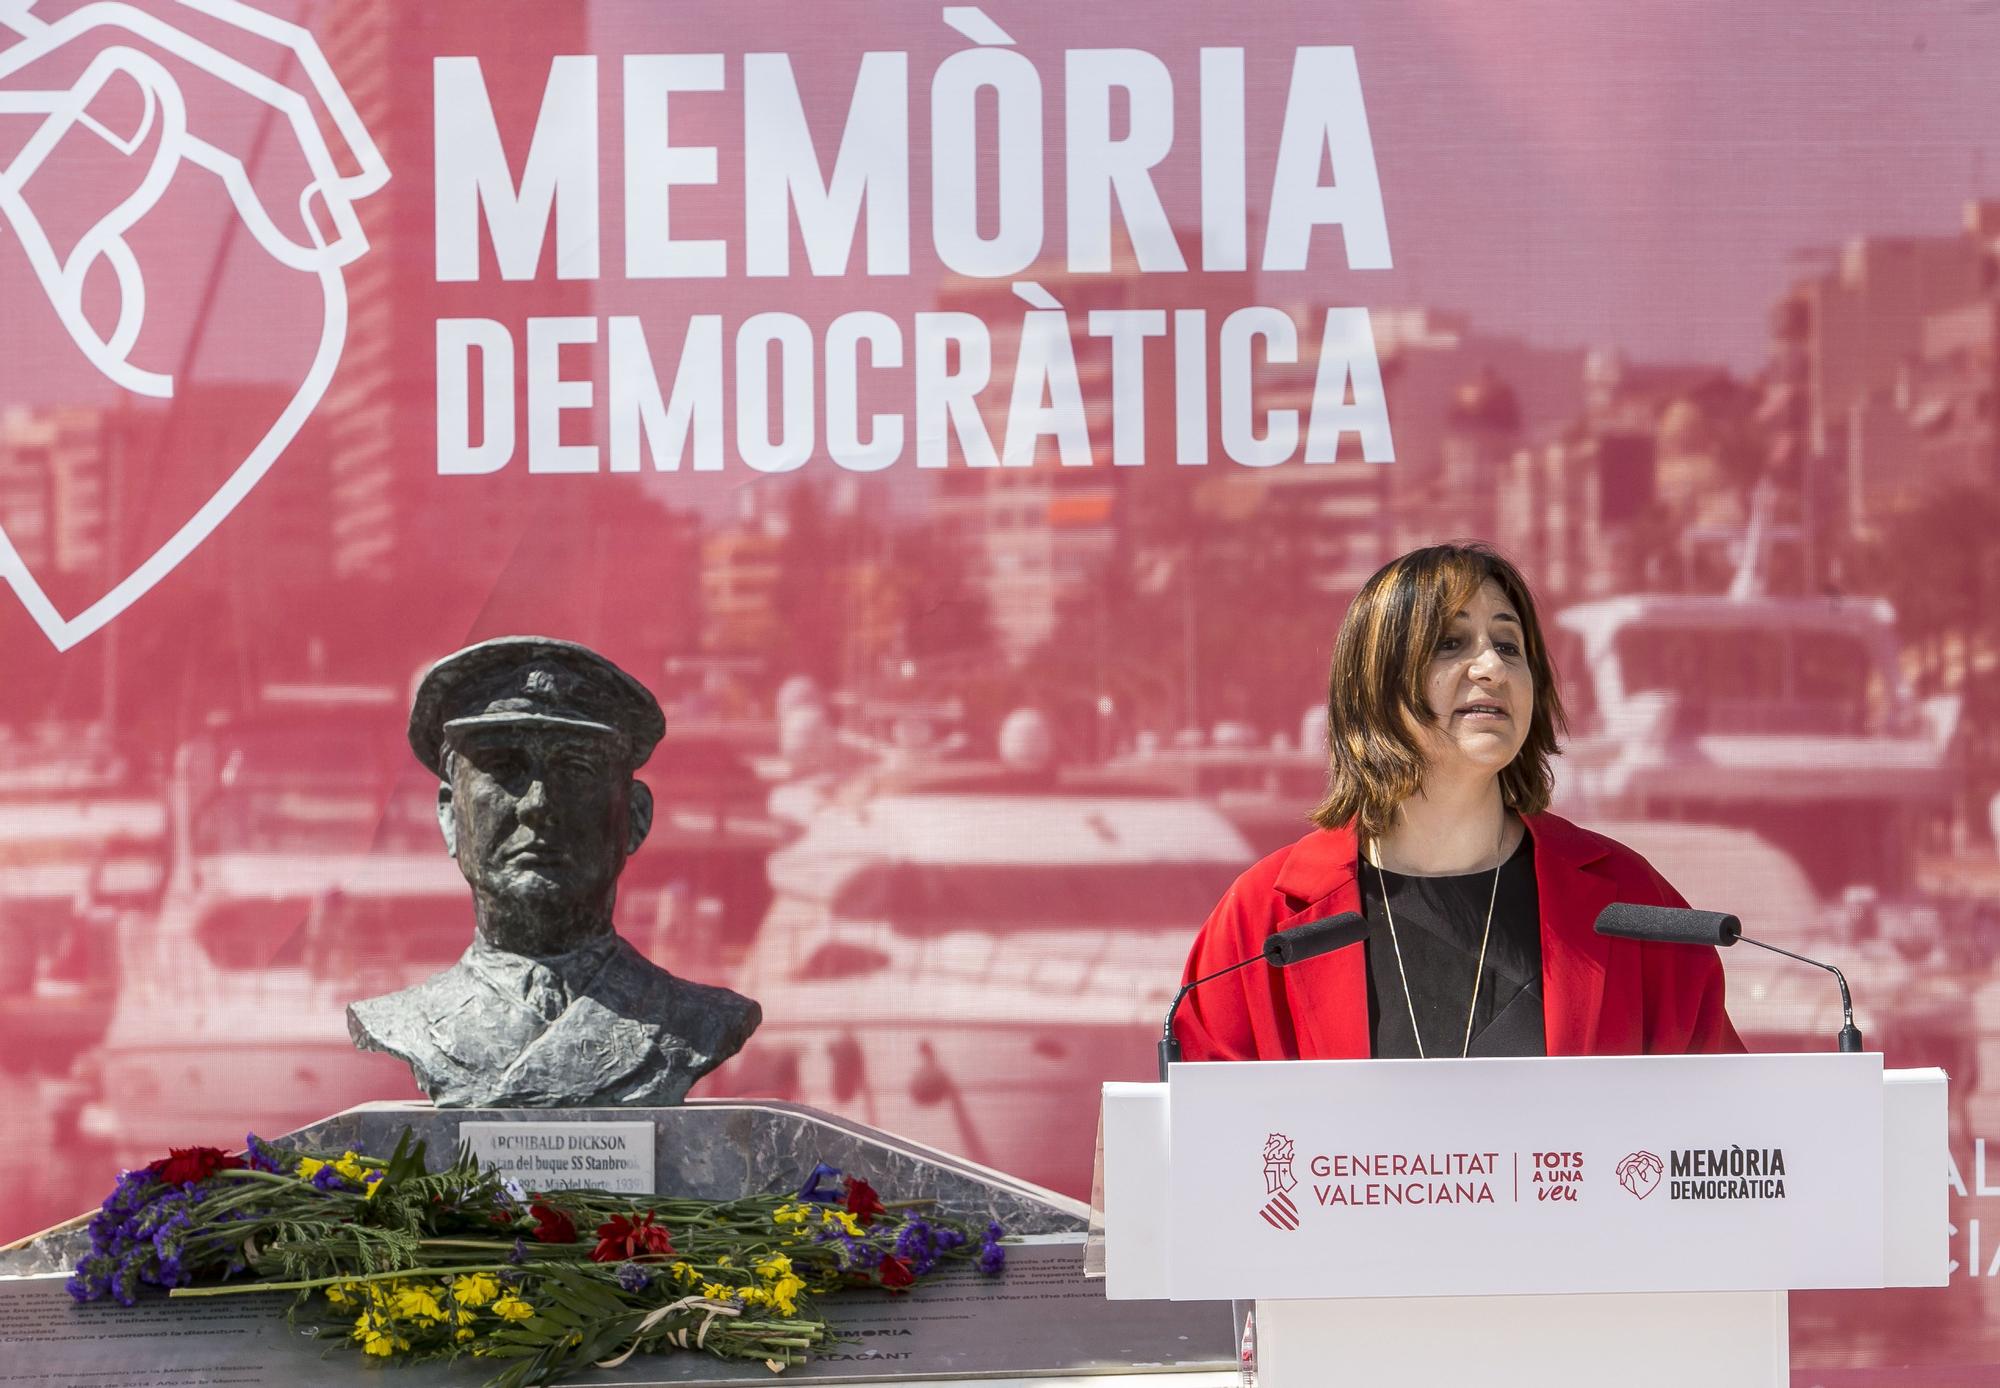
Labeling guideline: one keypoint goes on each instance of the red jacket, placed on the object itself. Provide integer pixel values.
(1600, 995)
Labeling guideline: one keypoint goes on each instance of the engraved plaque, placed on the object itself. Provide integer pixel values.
(567, 1155)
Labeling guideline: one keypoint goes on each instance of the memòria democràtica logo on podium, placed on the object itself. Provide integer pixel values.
(166, 88)
(1640, 1172)
(1279, 1212)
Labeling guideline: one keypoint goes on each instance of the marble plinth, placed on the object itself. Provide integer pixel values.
(711, 1149)
(1043, 1324)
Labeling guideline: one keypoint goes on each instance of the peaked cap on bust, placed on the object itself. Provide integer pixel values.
(531, 680)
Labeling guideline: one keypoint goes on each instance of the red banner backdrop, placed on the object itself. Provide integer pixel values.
(972, 423)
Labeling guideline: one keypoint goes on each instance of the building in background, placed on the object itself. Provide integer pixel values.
(1037, 537)
(1883, 373)
(388, 504)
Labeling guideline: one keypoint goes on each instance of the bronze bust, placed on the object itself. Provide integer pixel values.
(535, 742)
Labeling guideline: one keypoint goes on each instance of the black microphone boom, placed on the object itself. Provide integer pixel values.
(1282, 949)
(1684, 926)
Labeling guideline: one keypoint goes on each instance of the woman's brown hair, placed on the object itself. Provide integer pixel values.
(1375, 699)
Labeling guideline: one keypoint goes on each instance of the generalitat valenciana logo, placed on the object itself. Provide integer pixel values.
(1279, 1211)
(134, 114)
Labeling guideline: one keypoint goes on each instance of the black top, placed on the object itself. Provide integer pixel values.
(1438, 923)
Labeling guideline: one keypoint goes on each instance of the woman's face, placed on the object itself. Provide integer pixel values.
(1479, 687)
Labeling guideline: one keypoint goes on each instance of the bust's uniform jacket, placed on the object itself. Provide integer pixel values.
(626, 1032)
(1600, 995)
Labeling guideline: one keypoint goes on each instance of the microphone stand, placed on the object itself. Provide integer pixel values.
(1292, 945)
(1170, 1045)
(1850, 1035)
(1681, 925)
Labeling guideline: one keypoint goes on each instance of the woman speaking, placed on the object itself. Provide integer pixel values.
(1443, 714)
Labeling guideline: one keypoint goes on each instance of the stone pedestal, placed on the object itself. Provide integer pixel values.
(1042, 1323)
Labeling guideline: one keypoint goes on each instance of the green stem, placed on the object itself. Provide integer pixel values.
(277, 1178)
(312, 1283)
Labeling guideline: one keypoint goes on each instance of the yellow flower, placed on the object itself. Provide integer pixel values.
(341, 1293)
(466, 1317)
(368, 1190)
(715, 1291)
(309, 1167)
(785, 1294)
(683, 1274)
(753, 1296)
(350, 1166)
(418, 1304)
(377, 1336)
(790, 1214)
(773, 1267)
(512, 1308)
(475, 1289)
(462, 1336)
(842, 1218)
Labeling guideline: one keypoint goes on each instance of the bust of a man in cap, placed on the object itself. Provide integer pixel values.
(536, 742)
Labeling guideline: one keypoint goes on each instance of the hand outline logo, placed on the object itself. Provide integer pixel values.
(1640, 1172)
(330, 192)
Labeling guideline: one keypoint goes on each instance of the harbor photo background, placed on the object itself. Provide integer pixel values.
(972, 423)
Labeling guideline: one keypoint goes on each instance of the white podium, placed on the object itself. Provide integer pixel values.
(1584, 1220)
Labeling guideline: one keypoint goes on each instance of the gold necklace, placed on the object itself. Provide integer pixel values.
(1465, 1048)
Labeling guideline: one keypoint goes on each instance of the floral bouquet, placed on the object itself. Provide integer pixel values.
(398, 1261)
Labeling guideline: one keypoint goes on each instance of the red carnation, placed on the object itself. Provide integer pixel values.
(621, 1238)
(183, 1164)
(895, 1272)
(862, 1201)
(551, 1224)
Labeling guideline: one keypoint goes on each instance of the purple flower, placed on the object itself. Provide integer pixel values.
(126, 1195)
(916, 1244)
(326, 1178)
(948, 1238)
(992, 1257)
(519, 1253)
(855, 1255)
(633, 1278)
(139, 1235)
(810, 1191)
(260, 1154)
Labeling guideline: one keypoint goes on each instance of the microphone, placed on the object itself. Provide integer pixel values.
(1669, 924)
(1282, 949)
(1677, 925)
